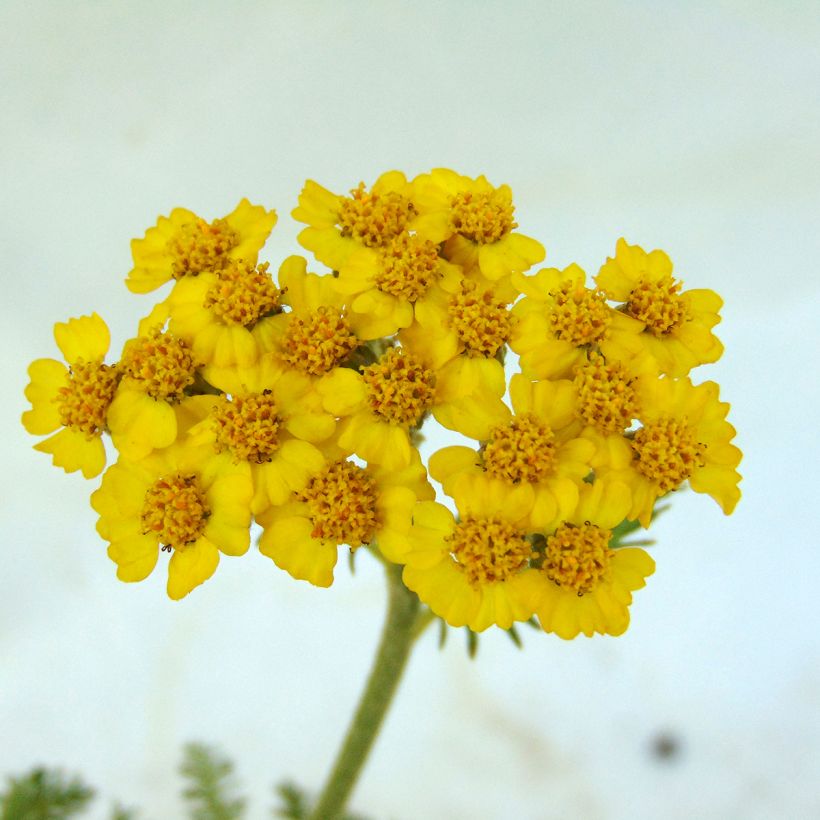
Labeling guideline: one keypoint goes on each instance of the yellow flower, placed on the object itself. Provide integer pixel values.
(342, 503)
(382, 285)
(560, 319)
(583, 584)
(476, 571)
(684, 436)
(535, 447)
(183, 500)
(273, 426)
(75, 399)
(183, 244)
(339, 225)
(677, 325)
(222, 315)
(475, 221)
(460, 335)
(157, 369)
(381, 406)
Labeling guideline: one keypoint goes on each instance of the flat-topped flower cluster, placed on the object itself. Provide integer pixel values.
(297, 399)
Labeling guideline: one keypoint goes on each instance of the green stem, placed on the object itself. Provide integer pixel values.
(398, 635)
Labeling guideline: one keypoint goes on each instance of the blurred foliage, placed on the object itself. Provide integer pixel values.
(296, 806)
(210, 785)
(44, 794)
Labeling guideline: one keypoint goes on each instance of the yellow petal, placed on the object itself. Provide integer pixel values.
(191, 566)
(72, 450)
(86, 338)
(47, 377)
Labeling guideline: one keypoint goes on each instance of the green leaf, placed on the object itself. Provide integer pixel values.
(472, 643)
(442, 633)
(512, 634)
(294, 802)
(44, 794)
(209, 793)
(121, 813)
(627, 527)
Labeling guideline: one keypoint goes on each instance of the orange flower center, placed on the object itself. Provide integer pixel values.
(483, 217)
(667, 451)
(200, 247)
(175, 511)
(606, 397)
(481, 321)
(374, 219)
(579, 315)
(83, 402)
(523, 449)
(318, 343)
(162, 364)
(659, 305)
(247, 426)
(489, 549)
(341, 502)
(400, 389)
(578, 557)
(408, 265)
(243, 293)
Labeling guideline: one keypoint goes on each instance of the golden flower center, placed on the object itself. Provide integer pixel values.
(243, 293)
(374, 219)
(667, 451)
(523, 449)
(481, 321)
(659, 305)
(578, 557)
(83, 401)
(483, 217)
(161, 363)
(400, 389)
(489, 549)
(606, 397)
(408, 265)
(175, 511)
(247, 426)
(579, 315)
(318, 343)
(200, 247)
(341, 504)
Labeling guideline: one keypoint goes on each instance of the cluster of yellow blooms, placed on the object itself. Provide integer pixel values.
(297, 402)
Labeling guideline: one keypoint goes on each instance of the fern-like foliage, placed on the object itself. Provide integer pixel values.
(209, 793)
(44, 794)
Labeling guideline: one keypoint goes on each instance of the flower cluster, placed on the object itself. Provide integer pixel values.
(296, 400)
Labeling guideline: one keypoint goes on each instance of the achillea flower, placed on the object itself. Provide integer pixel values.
(382, 285)
(184, 500)
(381, 406)
(536, 446)
(583, 584)
(339, 225)
(157, 369)
(476, 571)
(76, 398)
(475, 222)
(684, 436)
(341, 504)
(677, 325)
(222, 315)
(183, 244)
(560, 319)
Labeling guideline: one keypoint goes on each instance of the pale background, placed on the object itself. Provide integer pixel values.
(693, 127)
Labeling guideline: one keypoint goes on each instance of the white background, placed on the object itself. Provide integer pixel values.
(693, 127)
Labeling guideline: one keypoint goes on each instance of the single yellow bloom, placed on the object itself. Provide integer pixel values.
(340, 225)
(536, 446)
(476, 571)
(584, 586)
(184, 500)
(76, 399)
(560, 319)
(677, 324)
(341, 503)
(183, 244)
(475, 222)
(684, 436)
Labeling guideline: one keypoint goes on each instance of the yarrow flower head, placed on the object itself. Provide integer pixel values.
(299, 400)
